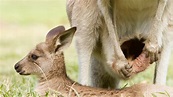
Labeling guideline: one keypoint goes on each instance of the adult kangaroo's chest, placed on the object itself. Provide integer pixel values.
(133, 18)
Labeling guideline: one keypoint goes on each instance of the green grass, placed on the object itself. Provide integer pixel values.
(23, 24)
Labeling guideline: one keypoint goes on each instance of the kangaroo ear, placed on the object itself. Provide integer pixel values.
(52, 34)
(58, 38)
(65, 39)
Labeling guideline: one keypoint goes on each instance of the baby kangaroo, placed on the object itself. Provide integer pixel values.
(46, 61)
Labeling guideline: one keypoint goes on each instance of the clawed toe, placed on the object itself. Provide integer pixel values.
(128, 67)
(123, 68)
(127, 71)
(152, 46)
(153, 56)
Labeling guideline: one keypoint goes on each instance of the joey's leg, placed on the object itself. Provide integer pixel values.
(121, 65)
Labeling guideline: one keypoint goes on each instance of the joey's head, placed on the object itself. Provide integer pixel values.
(47, 56)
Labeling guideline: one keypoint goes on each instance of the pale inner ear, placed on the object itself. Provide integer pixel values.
(57, 45)
(64, 39)
(58, 42)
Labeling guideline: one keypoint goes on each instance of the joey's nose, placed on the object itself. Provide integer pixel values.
(16, 66)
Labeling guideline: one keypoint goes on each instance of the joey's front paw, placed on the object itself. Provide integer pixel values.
(153, 45)
(152, 50)
(126, 71)
(123, 68)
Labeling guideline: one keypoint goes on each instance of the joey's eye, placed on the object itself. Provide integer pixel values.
(34, 57)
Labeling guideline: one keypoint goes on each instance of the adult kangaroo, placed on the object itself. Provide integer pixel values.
(111, 33)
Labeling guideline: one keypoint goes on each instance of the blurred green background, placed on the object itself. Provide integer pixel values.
(23, 24)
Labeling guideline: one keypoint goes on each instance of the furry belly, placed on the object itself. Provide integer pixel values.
(133, 18)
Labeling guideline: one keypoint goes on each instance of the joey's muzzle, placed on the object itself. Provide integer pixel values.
(18, 68)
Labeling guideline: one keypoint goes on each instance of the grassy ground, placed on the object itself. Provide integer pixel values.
(23, 24)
